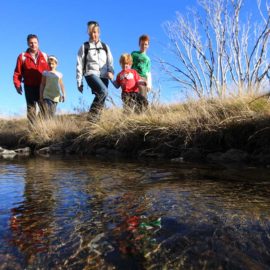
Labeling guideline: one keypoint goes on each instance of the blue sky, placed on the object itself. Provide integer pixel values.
(61, 27)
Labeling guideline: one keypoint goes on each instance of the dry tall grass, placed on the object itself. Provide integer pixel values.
(55, 130)
(179, 118)
(158, 123)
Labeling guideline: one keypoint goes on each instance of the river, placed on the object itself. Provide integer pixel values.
(84, 213)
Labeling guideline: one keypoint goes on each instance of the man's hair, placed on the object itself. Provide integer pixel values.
(144, 38)
(30, 36)
(125, 58)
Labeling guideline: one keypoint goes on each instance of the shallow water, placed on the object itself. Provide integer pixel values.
(91, 214)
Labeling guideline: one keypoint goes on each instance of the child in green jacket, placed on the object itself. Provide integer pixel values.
(142, 64)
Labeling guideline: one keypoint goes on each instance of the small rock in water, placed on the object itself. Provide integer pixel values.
(23, 151)
(179, 159)
(8, 153)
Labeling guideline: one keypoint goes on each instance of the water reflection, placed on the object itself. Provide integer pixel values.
(89, 214)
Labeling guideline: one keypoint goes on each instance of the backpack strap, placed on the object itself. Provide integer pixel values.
(104, 47)
(87, 48)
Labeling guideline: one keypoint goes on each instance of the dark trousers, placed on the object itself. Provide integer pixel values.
(99, 87)
(134, 101)
(32, 100)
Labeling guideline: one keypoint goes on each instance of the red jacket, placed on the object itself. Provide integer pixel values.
(29, 72)
(128, 80)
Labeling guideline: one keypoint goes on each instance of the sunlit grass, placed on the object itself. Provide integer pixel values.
(184, 118)
(159, 121)
(55, 130)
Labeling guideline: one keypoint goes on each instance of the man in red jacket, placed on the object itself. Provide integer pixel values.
(29, 68)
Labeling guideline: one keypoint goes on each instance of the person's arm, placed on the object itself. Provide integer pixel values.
(17, 76)
(149, 76)
(79, 68)
(109, 62)
(138, 79)
(41, 88)
(149, 81)
(63, 97)
(115, 84)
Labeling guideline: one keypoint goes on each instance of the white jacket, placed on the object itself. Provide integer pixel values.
(98, 62)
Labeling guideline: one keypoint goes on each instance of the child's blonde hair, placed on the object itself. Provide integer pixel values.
(53, 58)
(125, 58)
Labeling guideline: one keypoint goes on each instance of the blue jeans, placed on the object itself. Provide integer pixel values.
(99, 87)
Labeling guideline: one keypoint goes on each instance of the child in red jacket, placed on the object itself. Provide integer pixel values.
(129, 80)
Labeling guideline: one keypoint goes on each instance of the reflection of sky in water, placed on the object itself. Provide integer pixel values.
(11, 192)
(12, 184)
(81, 212)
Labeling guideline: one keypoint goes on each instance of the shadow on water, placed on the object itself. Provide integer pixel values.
(89, 214)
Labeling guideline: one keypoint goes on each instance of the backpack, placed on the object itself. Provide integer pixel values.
(87, 48)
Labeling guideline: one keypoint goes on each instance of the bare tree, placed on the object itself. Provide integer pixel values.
(216, 50)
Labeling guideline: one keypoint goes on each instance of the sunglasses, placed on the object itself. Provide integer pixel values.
(92, 23)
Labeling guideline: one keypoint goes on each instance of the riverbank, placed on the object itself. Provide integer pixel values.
(231, 130)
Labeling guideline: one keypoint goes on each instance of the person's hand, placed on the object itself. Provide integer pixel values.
(63, 98)
(148, 87)
(80, 88)
(142, 82)
(19, 89)
(110, 75)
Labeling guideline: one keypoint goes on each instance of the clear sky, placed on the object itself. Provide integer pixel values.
(61, 28)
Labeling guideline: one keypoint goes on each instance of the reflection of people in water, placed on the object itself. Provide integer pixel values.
(31, 221)
(133, 236)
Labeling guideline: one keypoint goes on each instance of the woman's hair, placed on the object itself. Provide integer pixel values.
(91, 25)
(144, 38)
(93, 22)
(125, 58)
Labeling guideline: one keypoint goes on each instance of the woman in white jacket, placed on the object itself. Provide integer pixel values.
(95, 63)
